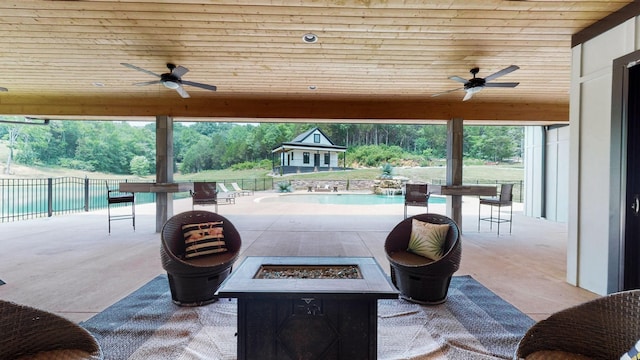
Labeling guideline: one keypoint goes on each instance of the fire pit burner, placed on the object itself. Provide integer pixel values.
(308, 272)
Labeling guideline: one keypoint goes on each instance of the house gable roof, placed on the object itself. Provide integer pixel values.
(301, 142)
(302, 137)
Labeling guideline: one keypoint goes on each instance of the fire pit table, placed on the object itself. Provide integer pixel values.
(307, 307)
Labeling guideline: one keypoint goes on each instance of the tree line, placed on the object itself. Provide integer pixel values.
(122, 148)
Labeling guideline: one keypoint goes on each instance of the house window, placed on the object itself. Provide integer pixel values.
(316, 138)
(327, 158)
(305, 157)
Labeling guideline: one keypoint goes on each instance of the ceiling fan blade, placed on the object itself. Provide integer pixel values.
(179, 71)
(458, 79)
(140, 69)
(200, 85)
(182, 92)
(502, 84)
(446, 92)
(502, 72)
(148, 83)
(467, 96)
(3, 89)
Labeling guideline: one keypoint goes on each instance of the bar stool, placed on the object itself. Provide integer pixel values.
(504, 200)
(117, 197)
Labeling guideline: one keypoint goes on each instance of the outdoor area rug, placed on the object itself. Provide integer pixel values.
(474, 323)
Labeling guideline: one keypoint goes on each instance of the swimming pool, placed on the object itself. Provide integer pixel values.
(345, 199)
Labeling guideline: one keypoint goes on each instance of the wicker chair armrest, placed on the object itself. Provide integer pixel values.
(604, 328)
(28, 331)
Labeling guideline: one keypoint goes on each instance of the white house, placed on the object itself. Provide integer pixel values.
(309, 151)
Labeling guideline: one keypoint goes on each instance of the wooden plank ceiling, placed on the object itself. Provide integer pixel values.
(372, 61)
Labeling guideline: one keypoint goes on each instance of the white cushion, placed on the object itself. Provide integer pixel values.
(428, 239)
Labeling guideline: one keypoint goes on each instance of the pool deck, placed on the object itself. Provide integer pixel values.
(70, 265)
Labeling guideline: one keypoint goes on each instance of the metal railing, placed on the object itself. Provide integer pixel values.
(518, 186)
(22, 199)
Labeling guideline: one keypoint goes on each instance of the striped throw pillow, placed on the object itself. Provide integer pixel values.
(203, 239)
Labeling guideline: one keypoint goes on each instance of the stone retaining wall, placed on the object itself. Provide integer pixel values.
(344, 185)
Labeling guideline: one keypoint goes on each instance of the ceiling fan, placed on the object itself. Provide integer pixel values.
(3, 89)
(476, 84)
(172, 79)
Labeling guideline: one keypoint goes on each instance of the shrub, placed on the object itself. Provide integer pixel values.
(248, 165)
(139, 165)
(387, 171)
(283, 186)
(75, 164)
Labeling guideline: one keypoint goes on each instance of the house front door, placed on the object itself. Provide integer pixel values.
(316, 160)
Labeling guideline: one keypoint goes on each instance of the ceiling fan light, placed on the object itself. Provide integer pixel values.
(474, 90)
(171, 84)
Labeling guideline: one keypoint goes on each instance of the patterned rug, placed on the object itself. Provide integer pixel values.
(474, 323)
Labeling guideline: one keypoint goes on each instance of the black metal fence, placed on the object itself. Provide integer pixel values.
(32, 198)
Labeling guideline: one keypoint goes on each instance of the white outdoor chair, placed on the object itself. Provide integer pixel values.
(240, 190)
(226, 195)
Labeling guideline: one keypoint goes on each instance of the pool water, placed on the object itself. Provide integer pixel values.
(346, 199)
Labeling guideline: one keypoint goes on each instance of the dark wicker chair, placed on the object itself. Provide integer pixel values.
(418, 278)
(416, 195)
(194, 281)
(37, 334)
(604, 328)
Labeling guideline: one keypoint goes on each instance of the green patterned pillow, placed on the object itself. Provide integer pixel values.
(428, 239)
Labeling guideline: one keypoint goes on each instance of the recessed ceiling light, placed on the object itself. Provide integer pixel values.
(312, 87)
(98, 84)
(309, 38)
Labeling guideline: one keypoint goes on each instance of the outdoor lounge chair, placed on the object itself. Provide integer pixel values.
(418, 278)
(193, 278)
(204, 193)
(36, 334)
(416, 195)
(604, 328)
(229, 197)
(241, 191)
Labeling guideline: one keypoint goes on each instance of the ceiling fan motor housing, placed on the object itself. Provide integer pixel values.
(475, 82)
(170, 81)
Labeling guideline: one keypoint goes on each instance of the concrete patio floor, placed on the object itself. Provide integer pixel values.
(70, 265)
